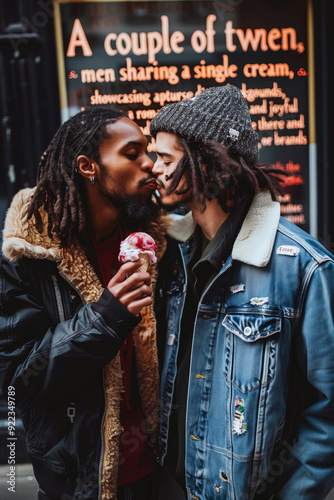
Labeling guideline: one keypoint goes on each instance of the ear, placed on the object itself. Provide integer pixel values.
(86, 166)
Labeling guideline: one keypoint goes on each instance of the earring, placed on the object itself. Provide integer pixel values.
(211, 190)
(92, 180)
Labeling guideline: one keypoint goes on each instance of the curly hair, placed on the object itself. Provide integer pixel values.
(60, 189)
(226, 176)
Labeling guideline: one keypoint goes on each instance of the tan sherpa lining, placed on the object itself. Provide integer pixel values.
(20, 235)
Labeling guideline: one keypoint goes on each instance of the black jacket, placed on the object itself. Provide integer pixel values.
(60, 334)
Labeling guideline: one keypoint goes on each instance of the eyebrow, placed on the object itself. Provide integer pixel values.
(136, 143)
(164, 154)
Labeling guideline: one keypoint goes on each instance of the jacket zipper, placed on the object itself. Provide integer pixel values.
(102, 444)
(59, 300)
(72, 286)
(104, 413)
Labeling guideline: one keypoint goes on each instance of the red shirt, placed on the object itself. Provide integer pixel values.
(135, 457)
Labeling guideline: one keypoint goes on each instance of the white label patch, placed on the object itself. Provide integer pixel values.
(233, 134)
(171, 339)
(288, 250)
(237, 288)
(259, 301)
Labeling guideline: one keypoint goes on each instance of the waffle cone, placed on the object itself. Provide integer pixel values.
(144, 257)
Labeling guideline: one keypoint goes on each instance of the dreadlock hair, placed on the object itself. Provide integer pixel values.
(60, 188)
(227, 176)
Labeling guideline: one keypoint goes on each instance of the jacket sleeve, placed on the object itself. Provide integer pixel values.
(44, 360)
(309, 470)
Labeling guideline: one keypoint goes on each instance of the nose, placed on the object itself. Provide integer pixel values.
(147, 164)
(157, 168)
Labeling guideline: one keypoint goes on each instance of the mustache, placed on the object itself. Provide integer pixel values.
(160, 183)
(148, 179)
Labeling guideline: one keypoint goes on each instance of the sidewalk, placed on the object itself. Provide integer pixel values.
(25, 483)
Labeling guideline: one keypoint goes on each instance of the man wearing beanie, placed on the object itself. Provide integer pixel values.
(245, 318)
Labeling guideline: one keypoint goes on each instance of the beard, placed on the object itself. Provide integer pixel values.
(134, 211)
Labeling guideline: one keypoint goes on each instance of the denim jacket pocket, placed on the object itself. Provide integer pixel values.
(251, 328)
(251, 345)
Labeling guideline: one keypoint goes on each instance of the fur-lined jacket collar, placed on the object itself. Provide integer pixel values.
(21, 237)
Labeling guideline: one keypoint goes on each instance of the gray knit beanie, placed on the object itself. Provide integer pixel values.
(218, 114)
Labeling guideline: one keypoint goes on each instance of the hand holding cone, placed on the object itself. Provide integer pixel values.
(138, 246)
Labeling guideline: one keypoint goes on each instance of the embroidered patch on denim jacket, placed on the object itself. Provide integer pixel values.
(239, 425)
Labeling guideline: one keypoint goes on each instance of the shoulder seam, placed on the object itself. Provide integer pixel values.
(318, 257)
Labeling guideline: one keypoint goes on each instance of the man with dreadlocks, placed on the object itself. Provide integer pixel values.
(247, 385)
(70, 322)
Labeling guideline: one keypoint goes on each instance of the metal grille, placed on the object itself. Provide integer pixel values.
(29, 104)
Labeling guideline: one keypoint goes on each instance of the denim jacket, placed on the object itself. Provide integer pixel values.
(260, 406)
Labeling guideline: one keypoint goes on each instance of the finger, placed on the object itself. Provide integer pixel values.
(126, 269)
(137, 284)
(136, 295)
(136, 307)
(140, 262)
(143, 291)
(136, 280)
(118, 288)
(129, 287)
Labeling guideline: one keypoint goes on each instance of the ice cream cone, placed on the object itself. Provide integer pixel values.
(138, 246)
(146, 261)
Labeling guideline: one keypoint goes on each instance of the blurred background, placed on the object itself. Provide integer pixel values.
(30, 113)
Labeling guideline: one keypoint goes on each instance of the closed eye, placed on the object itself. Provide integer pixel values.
(131, 153)
(132, 156)
(166, 158)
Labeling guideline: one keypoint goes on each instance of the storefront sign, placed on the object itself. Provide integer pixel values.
(139, 56)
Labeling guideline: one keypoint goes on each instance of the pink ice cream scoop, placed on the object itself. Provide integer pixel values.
(138, 246)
